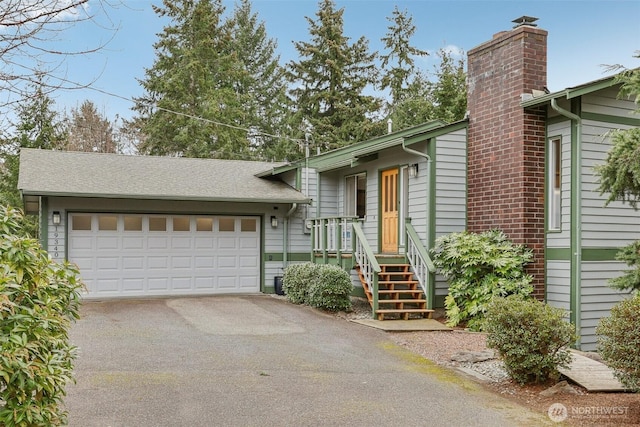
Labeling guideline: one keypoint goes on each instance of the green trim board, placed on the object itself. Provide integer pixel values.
(588, 254)
(606, 118)
(576, 229)
(291, 256)
(431, 206)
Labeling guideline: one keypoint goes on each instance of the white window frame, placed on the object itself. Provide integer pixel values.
(353, 185)
(554, 185)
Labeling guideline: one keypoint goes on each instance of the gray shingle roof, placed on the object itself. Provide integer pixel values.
(64, 173)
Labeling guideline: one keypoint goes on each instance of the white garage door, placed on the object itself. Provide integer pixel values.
(157, 255)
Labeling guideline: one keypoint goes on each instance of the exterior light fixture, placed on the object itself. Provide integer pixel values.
(55, 218)
(274, 222)
(413, 170)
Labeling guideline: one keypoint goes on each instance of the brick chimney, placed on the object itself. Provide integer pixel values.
(506, 157)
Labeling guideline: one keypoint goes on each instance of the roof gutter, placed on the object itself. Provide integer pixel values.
(576, 220)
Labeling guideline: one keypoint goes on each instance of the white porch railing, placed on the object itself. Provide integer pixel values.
(421, 263)
(367, 263)
(332, 235)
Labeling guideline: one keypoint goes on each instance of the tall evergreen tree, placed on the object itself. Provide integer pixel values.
(398, 64)
(261, 89)
(442, 98)
(37, 126)
(191, 106)
(88, 130)
(329, 82)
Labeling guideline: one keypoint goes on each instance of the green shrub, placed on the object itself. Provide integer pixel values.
(619, 341)
(330, 289)
(38, 300)
(296, 281)
(478, 268)
(530, 336)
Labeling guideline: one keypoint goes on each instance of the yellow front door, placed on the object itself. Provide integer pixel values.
(389, 181)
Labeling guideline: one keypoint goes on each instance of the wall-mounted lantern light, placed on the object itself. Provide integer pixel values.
(274, 222)
(55, 218)
(413, 170)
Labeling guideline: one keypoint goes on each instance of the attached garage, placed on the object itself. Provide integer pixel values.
(135, 255)
(143, 226)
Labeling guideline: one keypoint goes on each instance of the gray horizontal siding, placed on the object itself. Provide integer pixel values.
(451, 183)
(559, 284)
(612, 226)
(597, 297)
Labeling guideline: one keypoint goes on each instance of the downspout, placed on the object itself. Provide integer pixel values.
(576, 180)
(426, 156)
(285, 245)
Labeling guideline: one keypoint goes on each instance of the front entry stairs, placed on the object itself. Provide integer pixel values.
(399, 293)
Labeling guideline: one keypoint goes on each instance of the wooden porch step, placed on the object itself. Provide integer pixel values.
(402, 301)
(400, 291)
(397, 282)
(404, 312)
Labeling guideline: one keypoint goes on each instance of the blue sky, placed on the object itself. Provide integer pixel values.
(583, 35)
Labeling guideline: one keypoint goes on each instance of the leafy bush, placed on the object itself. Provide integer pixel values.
(530, 336)
(38, 300)
(630, 280)
(331, 289)
(619, 341)
(479, 267)
(322, 286)
(296, 281)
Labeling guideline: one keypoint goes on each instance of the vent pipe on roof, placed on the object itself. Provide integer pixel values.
(389, 126)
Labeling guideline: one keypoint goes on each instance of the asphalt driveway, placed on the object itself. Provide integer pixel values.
(259, 361)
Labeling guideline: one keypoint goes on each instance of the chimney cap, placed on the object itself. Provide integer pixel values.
(525, 20)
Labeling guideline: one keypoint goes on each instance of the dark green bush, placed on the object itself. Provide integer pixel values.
(296, 281)
(38, 300)
(530, 336)
(330, 289)
(322, 286)
(479, 267)
(619, 341)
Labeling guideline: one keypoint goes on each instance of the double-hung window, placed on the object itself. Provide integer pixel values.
(356, 195)
(554, 183)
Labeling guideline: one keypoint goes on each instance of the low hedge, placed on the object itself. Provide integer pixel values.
(327, 287)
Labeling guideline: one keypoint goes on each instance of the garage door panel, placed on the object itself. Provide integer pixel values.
(227, 282)
(204, 242)
(204, 262)
(181, 242)
(133, 285)
(158, 242)
(107, 243)
(108, 263)
(227, 243)
(158, 284)
(106, 285)
(181, 283)
(216, 255)
(133, 263)
(158, 262)
(181, 262)
(248, 261)
(82, 243)
(133, 243)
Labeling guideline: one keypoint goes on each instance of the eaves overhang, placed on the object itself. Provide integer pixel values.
(31, 196)
(572, 92)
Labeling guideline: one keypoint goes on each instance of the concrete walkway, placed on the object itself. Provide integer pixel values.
(260, 361)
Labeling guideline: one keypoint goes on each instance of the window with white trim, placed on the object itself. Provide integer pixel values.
(554, 183)
(356, 195)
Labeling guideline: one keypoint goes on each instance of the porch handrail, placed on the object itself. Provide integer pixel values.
(421, 262)
(331, 234)
(367, 262)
